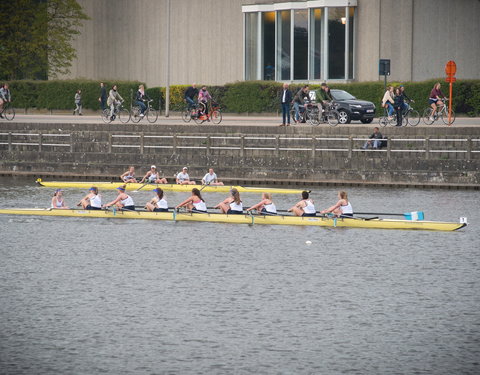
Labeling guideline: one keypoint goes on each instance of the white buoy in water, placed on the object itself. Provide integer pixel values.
(308, 242)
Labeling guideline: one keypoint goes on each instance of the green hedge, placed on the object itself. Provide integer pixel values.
(238, 97)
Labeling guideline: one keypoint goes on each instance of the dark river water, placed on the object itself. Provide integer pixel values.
(81, 296)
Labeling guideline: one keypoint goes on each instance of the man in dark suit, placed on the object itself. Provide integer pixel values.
(285, 100)
(103, 96)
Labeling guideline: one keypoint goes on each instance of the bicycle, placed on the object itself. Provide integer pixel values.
(331, 115)
(386, 119)
(214, 113)
(150, 113)
(302, 113)
(119, 110)
(412, 116)
(190, 112)
(429, 118)
(8, 112)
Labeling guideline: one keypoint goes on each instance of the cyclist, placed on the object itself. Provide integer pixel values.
(435, 99)
(324, 96)
(114, 100)
(301, 97)
(387, 101)
(140, 99)
(203, 97)
(190, 94)
(5, 97)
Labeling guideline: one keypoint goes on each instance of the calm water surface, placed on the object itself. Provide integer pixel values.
(81, 296)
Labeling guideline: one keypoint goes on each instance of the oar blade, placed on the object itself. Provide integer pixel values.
(414, 216)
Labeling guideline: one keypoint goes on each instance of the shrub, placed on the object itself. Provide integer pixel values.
(238, 97)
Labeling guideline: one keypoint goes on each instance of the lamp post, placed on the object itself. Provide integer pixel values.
(167, 83)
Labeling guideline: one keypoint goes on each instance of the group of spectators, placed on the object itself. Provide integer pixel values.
(323, 98)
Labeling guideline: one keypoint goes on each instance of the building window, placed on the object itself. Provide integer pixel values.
(303, 43)
(268, 43)
(300, 45)
(351, 41)
(283, 44)
(336, 43)
(316, 27)
(251, 46)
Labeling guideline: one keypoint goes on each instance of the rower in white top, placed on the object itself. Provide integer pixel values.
(129, 176)
(92, 201)
(183, 178)
(305, 207)
(342, 208)
(265, 206)
(153, 177)
(211, 179)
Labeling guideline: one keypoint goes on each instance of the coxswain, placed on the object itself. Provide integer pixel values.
(158, 202)
(183, 178)
(92, 201)
(129, 176)
(211, 179)
(194, 203)
(305, 207)
(342, 208)
(123, 201)
(265, 206)
(57, 200)
(232, 204)
(153, 176)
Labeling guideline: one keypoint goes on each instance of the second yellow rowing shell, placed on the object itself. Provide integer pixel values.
(373, 223)
(165, 187)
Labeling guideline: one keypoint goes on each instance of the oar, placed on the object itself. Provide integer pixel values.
(415, 215)
(204, 186)
(141, 187)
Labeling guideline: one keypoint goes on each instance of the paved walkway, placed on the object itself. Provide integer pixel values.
(228, 119)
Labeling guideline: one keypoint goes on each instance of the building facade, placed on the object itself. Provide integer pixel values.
(221, 41)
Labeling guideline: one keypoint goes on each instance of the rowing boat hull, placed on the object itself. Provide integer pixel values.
(165, 187)
(244, 219)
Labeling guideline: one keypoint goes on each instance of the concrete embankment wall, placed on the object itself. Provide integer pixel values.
(421, 156)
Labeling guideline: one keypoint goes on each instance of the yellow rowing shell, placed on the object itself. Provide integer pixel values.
(165, 187)
(242, 219)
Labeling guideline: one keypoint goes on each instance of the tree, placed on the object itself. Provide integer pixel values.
(36, 37)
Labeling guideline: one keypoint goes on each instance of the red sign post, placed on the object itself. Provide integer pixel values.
(450, 69)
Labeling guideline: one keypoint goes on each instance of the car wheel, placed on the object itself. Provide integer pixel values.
(366, 120)
(343, 117)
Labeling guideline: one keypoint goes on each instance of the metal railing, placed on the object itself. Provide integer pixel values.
(243, 143)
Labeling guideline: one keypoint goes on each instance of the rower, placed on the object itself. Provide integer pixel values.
(211, 179)
(232, 204)
(305, 207)
(265, 206)
(158, 203)
(57, 200)
(92, 201)
(194, 203)
(123, 201)
(129, 176)
(342, 208)
(183, 178)
(153, 177)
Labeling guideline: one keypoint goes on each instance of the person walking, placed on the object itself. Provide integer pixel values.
(399, 101)
(78, 103)
(286, 99)
(103, 96)
(5, 97)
